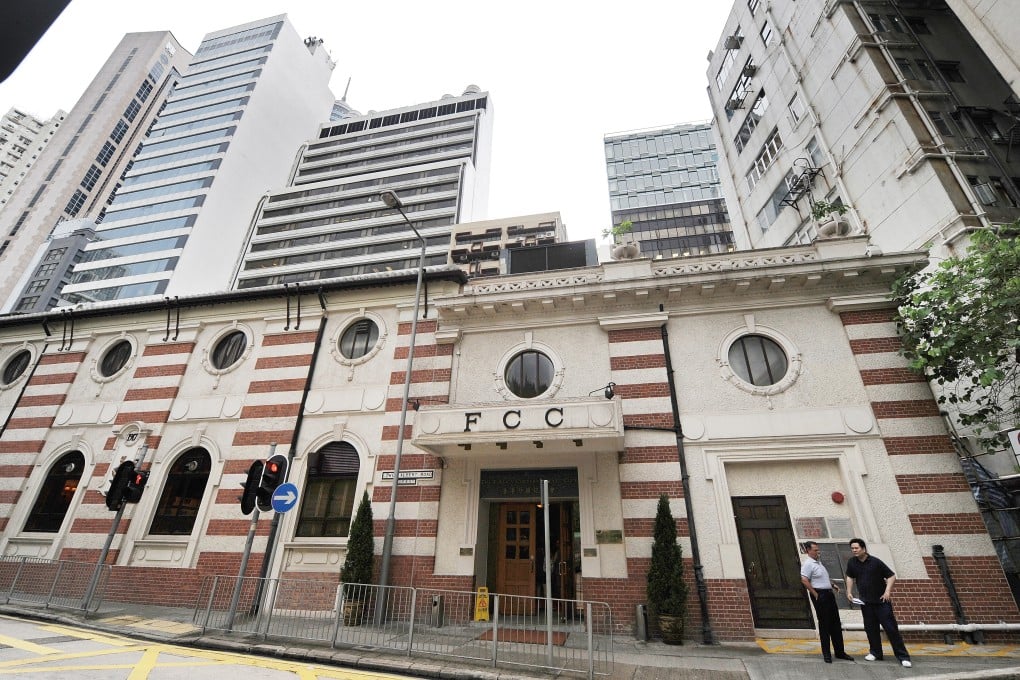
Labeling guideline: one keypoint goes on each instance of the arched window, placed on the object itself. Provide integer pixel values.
(55, 496)
(329, 491)
(16, 366)
(182, 494)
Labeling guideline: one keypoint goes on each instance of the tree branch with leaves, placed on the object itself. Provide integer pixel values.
(959, 323)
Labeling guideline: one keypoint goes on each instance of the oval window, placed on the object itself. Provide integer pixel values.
(359, 339)
(229, 349)
(115, 358)
(16, 366)
(529, 374)
(758, 360)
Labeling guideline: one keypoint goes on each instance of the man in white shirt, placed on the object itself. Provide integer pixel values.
(815, 578)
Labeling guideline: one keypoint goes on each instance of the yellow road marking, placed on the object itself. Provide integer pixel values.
(86, 635)
(145, 664)
(70, 656)
(26, 646)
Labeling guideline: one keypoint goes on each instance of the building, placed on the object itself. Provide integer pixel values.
(762, 392)
(888, 108)
(76, 175)
(991, 25)
(330, 221)
(249, 97)
(478, 248)
(665, 182)
(22, 139)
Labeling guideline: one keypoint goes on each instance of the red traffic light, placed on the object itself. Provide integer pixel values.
(272, 467)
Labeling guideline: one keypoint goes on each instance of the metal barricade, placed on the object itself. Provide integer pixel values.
(56, 584)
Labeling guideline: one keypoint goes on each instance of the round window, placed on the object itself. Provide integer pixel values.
(758, 360)
(229, 349)
(529, 374)
(115, 358)
(359, 339)
(16, 366)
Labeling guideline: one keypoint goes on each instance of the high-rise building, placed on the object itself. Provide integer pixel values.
(249, 97)
(894, 112)
(330, 222)
(664, 182)
(76, 175)
(22, 139)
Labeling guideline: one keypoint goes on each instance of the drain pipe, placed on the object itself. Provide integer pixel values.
(699, 576)
(939, 553)
(274, 528)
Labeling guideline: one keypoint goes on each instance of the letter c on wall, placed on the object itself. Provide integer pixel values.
(506, 422)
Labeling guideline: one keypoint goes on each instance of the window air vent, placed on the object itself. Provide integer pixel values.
(732, 42)
(985, 194)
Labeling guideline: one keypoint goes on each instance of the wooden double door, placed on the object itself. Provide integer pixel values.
(521, 545)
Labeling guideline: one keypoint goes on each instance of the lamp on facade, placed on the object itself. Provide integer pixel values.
(609, 390)
(393, 201)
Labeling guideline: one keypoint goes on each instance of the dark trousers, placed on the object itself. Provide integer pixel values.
(829, 626)
(881, 614)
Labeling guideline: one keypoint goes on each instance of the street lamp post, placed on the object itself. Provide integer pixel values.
(392, 201)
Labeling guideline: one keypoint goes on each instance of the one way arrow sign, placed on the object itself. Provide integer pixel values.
(285, 497)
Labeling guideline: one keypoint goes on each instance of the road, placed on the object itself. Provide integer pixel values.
(55, 652)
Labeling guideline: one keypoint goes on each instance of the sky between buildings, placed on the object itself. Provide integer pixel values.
(560, 74)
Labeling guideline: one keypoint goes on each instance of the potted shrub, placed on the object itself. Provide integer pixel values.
(357, 569)
(667, 591)
(625, 248)
(829, 217)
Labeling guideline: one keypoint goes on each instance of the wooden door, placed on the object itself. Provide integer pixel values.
(516, 571)
(771, 563)
(563, 570)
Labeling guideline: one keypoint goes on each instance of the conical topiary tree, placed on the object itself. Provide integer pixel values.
(667, 591)
(360, 546)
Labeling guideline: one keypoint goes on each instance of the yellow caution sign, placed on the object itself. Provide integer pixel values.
(482, 604)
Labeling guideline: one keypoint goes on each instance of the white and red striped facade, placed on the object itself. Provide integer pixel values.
(847, 421)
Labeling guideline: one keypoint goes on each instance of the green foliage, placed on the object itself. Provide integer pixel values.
(821, 210)
(959, 323)
(624, 227)
(360, 546)
(667, 591)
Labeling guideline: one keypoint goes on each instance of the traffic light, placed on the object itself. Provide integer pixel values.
(273, 475)
(115, 496)
(251, 487)
(135, 485)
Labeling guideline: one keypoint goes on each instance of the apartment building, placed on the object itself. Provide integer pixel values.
(891, 111)
(22, 139)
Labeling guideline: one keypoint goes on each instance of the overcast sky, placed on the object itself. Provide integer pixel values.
(560, 74)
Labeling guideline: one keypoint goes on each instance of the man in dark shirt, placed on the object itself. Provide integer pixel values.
(874, 581)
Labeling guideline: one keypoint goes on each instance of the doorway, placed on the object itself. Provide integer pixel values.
(771, 563)
(520, 549)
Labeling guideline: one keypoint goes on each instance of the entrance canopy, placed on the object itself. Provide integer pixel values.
(490, 431)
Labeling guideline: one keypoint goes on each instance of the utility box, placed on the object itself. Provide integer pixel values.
(436, 613)
(641, 622)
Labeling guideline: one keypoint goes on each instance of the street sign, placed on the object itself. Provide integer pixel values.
(408, 477)
(285, 497)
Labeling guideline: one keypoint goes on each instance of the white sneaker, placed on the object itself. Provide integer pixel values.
(869, 657)
(906, 664)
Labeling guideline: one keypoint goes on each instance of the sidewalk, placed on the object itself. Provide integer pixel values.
(633, 660)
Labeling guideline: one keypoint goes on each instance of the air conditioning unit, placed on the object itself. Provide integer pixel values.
(736, 103)
(986, 194)
(462, 259)
(750, 70)
(732, 42)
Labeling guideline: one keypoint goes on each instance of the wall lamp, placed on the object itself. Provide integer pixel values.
(609, 390)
